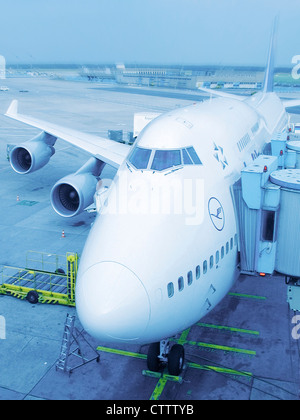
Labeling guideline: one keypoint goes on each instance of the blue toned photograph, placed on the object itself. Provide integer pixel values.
(150, 201)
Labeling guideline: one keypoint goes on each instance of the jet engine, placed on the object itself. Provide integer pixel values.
(73, 193)
(32, 155)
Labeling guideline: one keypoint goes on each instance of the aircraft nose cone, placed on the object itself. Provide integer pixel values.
(112, 303)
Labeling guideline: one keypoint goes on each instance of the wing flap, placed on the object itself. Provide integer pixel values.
(108, 151)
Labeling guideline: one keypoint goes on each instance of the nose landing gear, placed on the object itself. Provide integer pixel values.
(176, 359)
(160, 355)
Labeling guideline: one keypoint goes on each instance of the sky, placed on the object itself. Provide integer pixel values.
(181, 32)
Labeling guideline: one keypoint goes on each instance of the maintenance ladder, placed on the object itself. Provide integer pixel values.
(37, 285)
(72, 336)
(66, 343)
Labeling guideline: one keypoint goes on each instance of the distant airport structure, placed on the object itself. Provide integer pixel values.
(190, 77)
(2, 67)
(176, 77)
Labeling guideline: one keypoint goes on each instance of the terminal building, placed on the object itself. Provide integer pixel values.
(178, 77)
(190, 77)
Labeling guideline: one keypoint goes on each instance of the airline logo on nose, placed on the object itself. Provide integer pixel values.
(216, 213)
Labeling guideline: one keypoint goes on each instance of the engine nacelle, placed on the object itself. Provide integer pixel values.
(32, 155)
(73, 193)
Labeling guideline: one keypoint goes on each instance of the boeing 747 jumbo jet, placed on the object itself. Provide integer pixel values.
(163, 250)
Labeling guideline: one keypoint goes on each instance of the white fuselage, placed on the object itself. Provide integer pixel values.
(163, 251)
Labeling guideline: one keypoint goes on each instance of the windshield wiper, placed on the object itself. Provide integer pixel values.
(174, 170)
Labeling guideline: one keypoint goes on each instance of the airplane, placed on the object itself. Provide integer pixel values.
(163, 250)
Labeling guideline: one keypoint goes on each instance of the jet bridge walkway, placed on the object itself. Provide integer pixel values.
(46, 282)
(267, 201)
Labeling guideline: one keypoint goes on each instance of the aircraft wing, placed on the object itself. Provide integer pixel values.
(291, 103)
(106, 150)
(223, 94)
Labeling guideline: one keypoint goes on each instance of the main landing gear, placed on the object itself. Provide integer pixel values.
(160, 354)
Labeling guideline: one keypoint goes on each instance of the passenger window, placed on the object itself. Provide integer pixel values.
(190, 278)
(217, 257)
(235, 240)
(164, 159)
(211, 261)
(180, 284)
(231, 243)
(198, 273)
(227, 247)
(222, 252)
(204, 267)
(170, 290)
(194, 156)
(139, 157)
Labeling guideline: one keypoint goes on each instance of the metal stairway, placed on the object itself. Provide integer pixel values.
(66, 344)
(72, 336)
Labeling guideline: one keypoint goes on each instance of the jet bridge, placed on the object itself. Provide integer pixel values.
(267, 200)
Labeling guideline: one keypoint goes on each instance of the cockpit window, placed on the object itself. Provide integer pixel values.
(140, 157)
(186, 158)
(160, 160)
(194, 156)
(164, 159)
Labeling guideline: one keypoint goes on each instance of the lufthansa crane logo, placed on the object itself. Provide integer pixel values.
(216, 213)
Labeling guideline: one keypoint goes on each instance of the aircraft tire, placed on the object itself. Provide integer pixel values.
(153, 362)
(176, 360)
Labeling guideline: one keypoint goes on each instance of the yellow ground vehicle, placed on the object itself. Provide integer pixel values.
(51, 278)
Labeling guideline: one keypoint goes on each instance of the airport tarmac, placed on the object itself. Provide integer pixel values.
(242, 350)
